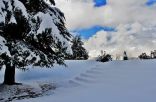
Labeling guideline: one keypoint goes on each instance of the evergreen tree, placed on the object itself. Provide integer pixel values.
(32, 32)
(79, 52)
(125, 57)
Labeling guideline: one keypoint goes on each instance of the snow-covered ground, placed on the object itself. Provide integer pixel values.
(91, 81)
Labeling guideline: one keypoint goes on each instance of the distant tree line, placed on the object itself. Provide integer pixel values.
(146, 56)
(104, 57)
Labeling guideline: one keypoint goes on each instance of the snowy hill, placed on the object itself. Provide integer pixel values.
(91, 81)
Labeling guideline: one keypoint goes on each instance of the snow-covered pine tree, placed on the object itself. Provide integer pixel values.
(32, 32)
(79, 52)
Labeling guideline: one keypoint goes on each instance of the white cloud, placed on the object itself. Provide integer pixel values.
(135, 23)
(132, 38)
(80, 13)
(83, 14)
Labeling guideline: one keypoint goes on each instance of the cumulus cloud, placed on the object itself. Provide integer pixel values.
(132, 38)
(134, 21)
(80, 13)
(129, 11)
(83, 14)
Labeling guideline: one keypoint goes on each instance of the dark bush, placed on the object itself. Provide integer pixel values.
(104, 58)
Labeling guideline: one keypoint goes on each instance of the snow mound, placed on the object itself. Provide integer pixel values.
(19, 92)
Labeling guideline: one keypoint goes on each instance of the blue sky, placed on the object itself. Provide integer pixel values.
(88, 32)
(151, 2)
(99, 3)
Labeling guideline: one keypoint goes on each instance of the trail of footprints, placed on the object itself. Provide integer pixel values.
(89, 77)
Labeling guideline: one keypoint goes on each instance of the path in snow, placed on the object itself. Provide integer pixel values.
(90, 76)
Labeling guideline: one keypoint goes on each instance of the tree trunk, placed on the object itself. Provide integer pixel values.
(9, 77)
